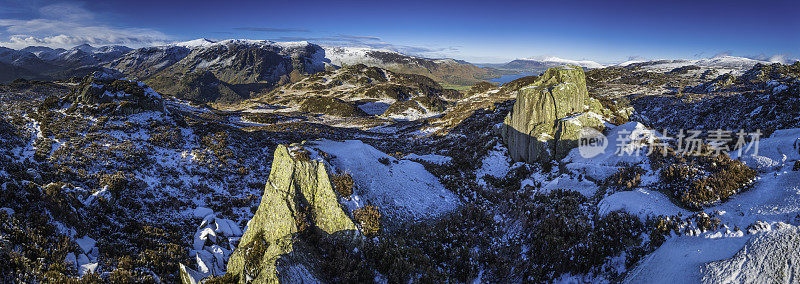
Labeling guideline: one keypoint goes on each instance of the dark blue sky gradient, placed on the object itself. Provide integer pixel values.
(480, 31)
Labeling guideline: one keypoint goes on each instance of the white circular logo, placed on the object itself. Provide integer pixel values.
(591, 142)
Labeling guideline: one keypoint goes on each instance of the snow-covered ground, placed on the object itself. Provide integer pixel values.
(641, 203)
(618, 151)
(496, 163)
(773, 204)
(402, 189)
(430, 158)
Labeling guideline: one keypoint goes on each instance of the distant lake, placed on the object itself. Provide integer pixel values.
(508, 78)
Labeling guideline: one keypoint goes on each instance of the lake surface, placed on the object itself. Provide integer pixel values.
(508, 78)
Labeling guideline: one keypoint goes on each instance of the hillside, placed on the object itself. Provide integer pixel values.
(447, 71)
(244, 66)
(364, 174)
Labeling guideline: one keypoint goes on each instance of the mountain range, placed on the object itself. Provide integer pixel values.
(230, 71)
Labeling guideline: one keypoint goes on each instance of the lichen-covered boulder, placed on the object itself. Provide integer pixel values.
(545, 122)
(297, 189)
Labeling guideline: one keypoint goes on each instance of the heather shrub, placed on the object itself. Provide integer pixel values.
(227, 278)
(626, 178)
(166, 136)
(369, 218)
(118, 183)
(385, 161)
(697, 181)
(342, 184)
(705, 180)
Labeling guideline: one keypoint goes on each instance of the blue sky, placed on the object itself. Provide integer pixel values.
(476, 31)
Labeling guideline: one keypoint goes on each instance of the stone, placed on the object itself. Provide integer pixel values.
(548, 116)
(188, 275)
(295, 185)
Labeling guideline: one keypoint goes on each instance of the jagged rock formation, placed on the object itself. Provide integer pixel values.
(297, 189)
(100, 94)
(548, 116)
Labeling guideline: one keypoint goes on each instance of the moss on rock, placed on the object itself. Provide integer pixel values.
(295, 187)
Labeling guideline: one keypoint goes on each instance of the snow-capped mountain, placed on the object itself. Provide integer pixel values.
(450, 71)
(539, 64)
(23, 60)
(723, 63)
(39, 62)
(234, 61)
(252, 65)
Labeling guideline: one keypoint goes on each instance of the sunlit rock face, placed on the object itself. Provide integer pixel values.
(548, 116)
(297, 189)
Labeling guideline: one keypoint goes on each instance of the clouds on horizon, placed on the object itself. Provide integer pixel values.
(65, 25)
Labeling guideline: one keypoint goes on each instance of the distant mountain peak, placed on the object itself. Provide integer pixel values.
(195, 43)
(84, 47)
(558, 60)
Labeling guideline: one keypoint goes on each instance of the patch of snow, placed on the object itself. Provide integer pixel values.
(781, 148)
(430, 158)
(641, 203)
(86, 244)
(678, 260)
(71, 260)
(566, 181)
(87, 268)
(496, 163)
(8, 211)
(202, 212)
(194, 276)
(401, 189)
(770, 257)
(374, 108)
(626, 145)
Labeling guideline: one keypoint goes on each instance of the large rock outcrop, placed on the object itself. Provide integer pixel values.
(298, 193)
(99, 94)
(548, 116)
